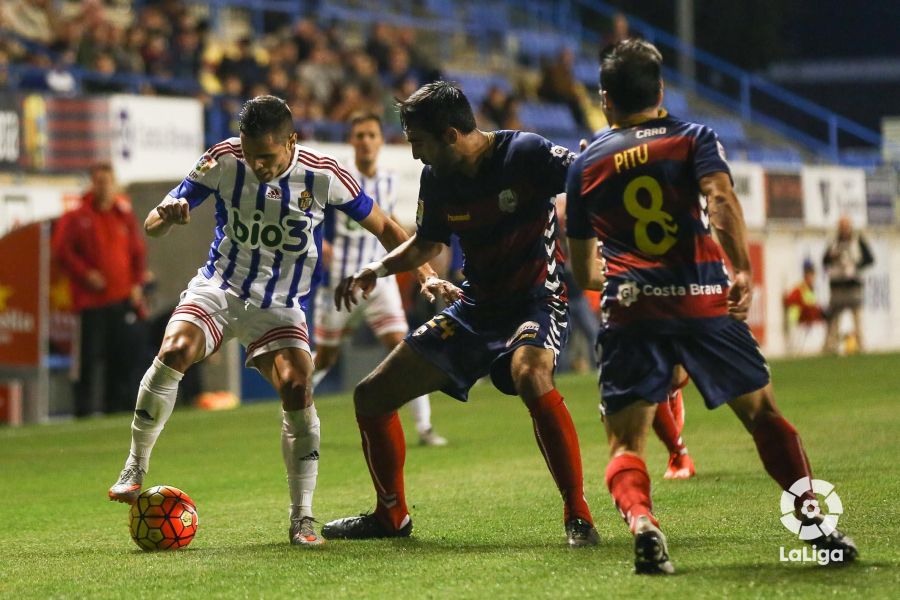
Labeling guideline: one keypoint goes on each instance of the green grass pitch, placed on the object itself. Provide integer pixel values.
(487, 515)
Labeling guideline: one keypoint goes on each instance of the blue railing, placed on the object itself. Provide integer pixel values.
(754, 98)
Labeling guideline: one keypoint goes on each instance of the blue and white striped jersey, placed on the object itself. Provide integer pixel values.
(352, 245)
(268, 236)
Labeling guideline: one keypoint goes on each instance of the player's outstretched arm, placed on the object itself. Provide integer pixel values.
(727, 218)
(410, 254)
(586, 263)
(171, 211)
(400, 258)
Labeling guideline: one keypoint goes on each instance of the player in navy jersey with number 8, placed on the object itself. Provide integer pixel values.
(495, 191)
(649, 189)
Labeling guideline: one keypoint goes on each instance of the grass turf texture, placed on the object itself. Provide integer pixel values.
(487, 516)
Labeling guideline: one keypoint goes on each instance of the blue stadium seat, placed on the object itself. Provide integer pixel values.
(588, 73)
(774, 155)
(445, 9)
(476, 85)
(554, 118)
(866, 158)
(729, 130)
(536, 45)
(675, 102)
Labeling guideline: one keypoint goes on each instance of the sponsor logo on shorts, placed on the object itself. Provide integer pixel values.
(508, 201)
(526, 331)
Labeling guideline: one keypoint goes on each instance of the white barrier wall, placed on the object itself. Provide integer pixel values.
(786, 248)
(154, 139)
(780, 246)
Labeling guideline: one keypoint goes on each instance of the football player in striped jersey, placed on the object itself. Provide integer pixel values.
(264, 261)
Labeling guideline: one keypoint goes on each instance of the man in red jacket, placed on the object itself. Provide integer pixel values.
(99, 247)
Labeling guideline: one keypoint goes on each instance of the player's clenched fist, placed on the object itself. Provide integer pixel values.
(174, 210)
(345, 292)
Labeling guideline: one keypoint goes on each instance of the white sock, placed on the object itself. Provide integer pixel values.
(421, 410)
(300, 449)
(155, 401)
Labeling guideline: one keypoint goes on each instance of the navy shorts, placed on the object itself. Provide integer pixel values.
(467, 352)
(724, 364)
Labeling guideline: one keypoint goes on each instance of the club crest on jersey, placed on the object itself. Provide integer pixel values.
(627, 293)
(306, 200)
(508, 200)
(526, 331)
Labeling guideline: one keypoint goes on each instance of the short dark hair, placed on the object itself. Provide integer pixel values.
(101, 165)
(362, 117)
(436, 106)
(630, 74)
(265, 115)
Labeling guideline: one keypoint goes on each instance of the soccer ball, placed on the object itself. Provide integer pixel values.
(163, 518)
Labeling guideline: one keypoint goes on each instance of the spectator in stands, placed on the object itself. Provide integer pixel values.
(620, 30)
(33, 20)
(93, 43)
(420, 62)
(379, 45)
(558, 84)
(102, 80)
(244, 65)
(158, 57)
(499, 110)
(279, 82)
(100, 248)
(186, 55)
(847, 255)
(129, 58)
(349, 101)
(399, 68)
(59, 78)
(322, 73)
(363, 71)
(4, 69)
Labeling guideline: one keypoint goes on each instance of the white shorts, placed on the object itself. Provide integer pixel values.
(383, 312)
(222, 316)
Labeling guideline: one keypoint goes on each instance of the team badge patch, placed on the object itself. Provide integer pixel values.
(627, 293)
(306, 200)
(526, 331)
(508, 201)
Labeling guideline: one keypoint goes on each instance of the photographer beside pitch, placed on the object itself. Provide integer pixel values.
(649, 189)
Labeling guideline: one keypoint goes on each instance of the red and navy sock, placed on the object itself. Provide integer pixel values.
(629, 484)
(780, 449)
(667, 429)
(556, 437)
(384, 448)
